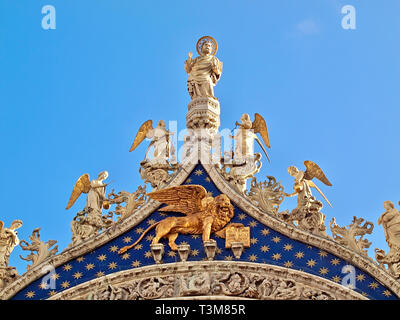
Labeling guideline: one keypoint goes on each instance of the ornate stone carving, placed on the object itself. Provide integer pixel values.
(267, 195)
(390, 221)
(133, 201)
(313, 294)
(157, 174)
(346, 236)
(237, 173)
(308, 217)
(243, 203)
(203, 113)
(210, 281)
(156, 287)
(107, 291)
(88, 224)
(198, 283)
(40, 250)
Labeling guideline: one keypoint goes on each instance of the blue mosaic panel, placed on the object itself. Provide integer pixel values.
(267, 246)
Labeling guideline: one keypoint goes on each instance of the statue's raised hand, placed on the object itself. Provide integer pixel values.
(190, 55)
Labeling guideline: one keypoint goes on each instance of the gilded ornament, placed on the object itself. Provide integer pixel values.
(235, 232)
(203, 40)
(203, 214)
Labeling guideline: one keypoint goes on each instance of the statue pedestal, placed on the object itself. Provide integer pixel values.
(183, 250)
(237, 249)
(157, 250)
(202, 121)
(210, 247)
(203, 113)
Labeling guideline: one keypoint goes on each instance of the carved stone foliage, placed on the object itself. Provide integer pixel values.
(157, 174)
(267, 195)
(237, 173)
(40, 250)
(87, 224)
(308, 217)
(346, 236)
(132, 201)
(234, 284)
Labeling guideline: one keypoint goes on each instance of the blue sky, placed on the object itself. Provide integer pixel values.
(73, 98)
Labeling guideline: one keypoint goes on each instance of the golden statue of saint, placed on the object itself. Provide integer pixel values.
(205, 70)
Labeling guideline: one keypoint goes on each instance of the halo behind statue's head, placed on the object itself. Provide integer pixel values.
(204, 40)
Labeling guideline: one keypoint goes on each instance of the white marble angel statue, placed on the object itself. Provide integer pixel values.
(205, 70)
(303, 183)
(95, 189)
(90, 220)
(161, 141)
(247, 133)
(308, 213)
(8, 241)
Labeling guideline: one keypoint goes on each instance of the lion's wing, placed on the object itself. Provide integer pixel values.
(185, 199)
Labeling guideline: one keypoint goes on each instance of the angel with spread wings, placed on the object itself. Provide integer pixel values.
(308, 213)
(8, 240)
(160, 140)
(303, 182)
(95, 189)
(246, 135)
(204, 214)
